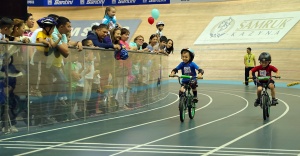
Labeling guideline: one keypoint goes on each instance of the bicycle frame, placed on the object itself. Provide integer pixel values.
(264, 98)
(185, 101)
(187, 87)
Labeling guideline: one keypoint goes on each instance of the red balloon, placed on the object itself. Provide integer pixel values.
(151, 20)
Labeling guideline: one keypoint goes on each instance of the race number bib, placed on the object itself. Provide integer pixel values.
(187, 70)
(263, 73)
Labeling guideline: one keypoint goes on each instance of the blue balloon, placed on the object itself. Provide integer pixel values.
(155, 13)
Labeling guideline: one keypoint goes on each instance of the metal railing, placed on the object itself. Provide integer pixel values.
(39, 88)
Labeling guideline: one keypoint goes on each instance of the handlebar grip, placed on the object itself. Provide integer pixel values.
(277, 77)
(186, 76)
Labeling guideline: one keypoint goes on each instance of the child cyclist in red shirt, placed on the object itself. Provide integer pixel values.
(265, 69)
(188, 67)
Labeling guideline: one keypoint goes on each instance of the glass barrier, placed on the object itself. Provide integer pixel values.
(39, 88)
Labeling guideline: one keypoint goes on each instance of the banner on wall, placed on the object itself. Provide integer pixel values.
(193, 1)
(93, 2)
(80, 28)
(255, 28)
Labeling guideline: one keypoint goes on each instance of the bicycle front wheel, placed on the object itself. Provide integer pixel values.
(191, 108)
(181, 108)
(265, 106)
(268, 106)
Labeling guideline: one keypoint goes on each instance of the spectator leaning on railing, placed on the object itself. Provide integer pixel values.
(98, 35)
(29, 23)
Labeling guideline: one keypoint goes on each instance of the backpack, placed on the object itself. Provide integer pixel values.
(121, 54)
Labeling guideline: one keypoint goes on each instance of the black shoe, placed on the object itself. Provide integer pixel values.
(180, 93)
(195, 99)
(256, 103)
(274, 102)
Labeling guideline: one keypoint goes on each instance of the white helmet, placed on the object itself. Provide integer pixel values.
(160, 23)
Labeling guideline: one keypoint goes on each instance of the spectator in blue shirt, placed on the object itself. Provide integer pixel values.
(98, 37)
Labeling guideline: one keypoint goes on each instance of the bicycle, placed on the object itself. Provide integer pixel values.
(186, 98)
(265, 101)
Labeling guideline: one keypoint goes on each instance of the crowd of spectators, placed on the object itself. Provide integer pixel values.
(54, 70)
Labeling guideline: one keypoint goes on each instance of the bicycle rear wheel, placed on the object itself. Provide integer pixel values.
(265, 106)
(191, 108)
(181, 108)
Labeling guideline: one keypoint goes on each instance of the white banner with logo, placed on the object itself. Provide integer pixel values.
(270, 27)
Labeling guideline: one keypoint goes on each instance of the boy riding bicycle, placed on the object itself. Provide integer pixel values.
(188, 67)
(265, 69)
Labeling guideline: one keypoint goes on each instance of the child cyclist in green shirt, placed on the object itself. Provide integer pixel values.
(188, 67)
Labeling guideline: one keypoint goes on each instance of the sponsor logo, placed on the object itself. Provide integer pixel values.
(145, 1)
(113, 2)
(80, 31)
(80, 28)
(126, 1)
(30, 1)
(222, 28)
(264, 28)
(81, 2)
(49, 2)
(95, 2)
(63, 2)
(154, 1)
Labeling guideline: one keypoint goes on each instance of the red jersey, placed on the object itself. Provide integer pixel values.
(267, 71)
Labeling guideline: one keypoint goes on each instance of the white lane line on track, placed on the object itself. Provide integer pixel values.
(102, 145)
(157, 149)
(54, 146)
(246, 134)
(60, 128)
(243, 90)
(163, 151)
(132, 148)
(289, 94)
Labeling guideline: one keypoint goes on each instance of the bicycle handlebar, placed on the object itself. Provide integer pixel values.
(185, 76)
(264, 77)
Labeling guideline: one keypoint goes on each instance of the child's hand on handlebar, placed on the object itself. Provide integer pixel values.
(172, 74)
(277, 76)
(199, 76)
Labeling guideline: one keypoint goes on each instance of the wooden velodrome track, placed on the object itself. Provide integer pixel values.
(185, 22)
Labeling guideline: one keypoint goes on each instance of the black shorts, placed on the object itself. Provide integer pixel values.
(260, 84)
(193, 85)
